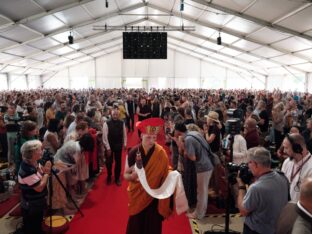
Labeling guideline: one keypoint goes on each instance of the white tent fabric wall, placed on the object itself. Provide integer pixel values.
(58, 80)
(3, 82)
(18, 82)
(287, 83)
(82, 76)
(259, 38)
(34, 82)
(108, 71)
(179, 71)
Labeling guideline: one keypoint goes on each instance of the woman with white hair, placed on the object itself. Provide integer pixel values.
(33, 178)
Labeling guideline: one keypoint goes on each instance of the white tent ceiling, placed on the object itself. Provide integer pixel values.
(260, 36)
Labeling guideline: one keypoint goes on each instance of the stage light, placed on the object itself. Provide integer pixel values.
(70, 38)
(219, 40)
(106, 3)
(182, 5)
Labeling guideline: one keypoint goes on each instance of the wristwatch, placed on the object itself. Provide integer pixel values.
(243, 187)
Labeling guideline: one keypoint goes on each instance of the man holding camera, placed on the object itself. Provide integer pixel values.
(265, 197)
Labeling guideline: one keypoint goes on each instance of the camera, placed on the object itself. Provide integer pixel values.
(167, 130)
(244, 173)
(233, 126)
(275, 162)
(46, 156)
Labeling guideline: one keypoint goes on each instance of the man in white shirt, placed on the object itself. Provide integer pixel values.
(239, 149)
(298, 165)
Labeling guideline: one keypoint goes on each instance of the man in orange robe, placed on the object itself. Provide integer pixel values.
(147, 213)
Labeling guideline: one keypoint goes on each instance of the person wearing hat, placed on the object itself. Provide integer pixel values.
(212, 133)
(145, 212)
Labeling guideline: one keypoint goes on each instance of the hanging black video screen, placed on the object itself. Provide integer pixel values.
(144, 45)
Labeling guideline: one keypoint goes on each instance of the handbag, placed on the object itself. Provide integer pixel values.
(214, 158)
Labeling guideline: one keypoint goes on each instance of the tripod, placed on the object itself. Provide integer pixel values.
(54, 173)
(228, 200)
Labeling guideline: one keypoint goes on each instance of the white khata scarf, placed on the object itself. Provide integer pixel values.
(173, 183)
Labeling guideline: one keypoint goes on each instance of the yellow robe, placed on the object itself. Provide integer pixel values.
(156, 171)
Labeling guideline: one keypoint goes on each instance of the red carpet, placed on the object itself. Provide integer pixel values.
(16, 212)
(105, 209)
(7, 205)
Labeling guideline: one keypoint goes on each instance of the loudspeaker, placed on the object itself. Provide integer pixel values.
(70, 39)
(219, 41)
(295, 146)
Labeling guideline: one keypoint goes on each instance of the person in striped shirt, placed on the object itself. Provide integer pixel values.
(33, 178)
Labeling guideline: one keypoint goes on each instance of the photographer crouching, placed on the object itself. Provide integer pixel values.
(33, 178)
(265, 197)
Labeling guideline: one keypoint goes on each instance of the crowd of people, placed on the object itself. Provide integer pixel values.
(82, 130)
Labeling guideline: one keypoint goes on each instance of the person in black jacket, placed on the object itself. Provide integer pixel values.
(114, 139)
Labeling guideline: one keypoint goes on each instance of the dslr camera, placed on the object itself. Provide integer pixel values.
(244, 173)
(46, 156)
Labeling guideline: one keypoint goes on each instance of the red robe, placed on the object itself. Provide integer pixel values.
(92, 156)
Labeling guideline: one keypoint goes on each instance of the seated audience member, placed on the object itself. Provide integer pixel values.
(298, 165)
(251, 133)
(257, 204)
(303, 223)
